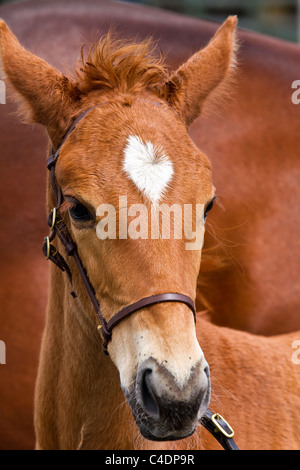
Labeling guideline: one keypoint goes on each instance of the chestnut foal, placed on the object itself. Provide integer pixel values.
(129, 139)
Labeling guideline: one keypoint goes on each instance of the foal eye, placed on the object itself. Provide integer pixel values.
(209, 207)
(80, 213)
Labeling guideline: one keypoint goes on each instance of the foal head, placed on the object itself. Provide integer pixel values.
(128, 165)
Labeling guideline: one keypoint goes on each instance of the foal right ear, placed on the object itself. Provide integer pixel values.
(188, 88)
(45, 94)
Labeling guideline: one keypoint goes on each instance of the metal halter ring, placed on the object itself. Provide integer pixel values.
(215, 419)
(53, 218)
(47, 240)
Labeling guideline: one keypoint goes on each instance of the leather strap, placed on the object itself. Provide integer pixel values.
(143, 303)
(54, 155)
(221, 432)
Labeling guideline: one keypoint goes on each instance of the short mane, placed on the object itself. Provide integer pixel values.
(114, 63)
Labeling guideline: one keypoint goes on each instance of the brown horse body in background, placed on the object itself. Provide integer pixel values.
(253, 148)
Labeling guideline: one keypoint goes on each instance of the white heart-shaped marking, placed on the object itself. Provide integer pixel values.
(148, 167)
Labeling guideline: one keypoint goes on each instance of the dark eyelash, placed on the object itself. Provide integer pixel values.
(209, 206)
(65, 206)
(79, 211)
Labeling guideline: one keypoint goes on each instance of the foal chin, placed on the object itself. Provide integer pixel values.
(163, 372)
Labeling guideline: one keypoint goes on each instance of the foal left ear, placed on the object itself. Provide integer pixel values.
(45, 94)
(190, 85)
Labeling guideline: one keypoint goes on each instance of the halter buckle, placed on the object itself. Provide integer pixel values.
(216, 418)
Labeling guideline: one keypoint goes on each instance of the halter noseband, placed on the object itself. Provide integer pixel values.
(59, 228)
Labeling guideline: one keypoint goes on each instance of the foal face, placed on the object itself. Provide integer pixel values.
(141, 154)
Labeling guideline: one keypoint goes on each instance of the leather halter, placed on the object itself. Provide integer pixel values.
(60, 229)
(214, 423)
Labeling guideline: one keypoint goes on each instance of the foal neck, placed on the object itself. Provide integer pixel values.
(79, 402)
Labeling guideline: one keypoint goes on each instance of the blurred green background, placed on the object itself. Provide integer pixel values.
(279, 18)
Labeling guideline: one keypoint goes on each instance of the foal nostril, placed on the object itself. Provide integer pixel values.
(160, 400)
(147, 396)
(206, 372)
